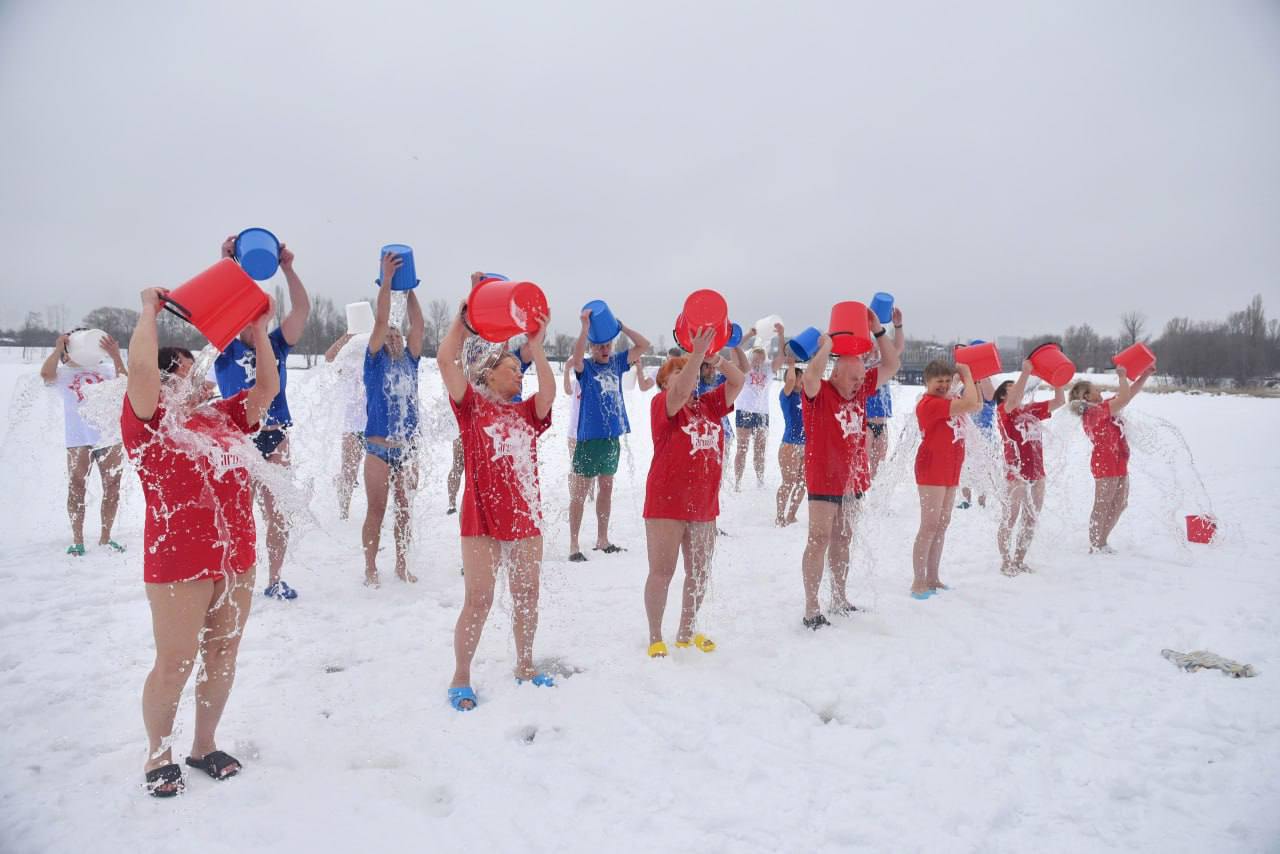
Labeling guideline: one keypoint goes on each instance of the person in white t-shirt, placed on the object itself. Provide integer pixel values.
(85, 445)
(351, 374)
(752, 407)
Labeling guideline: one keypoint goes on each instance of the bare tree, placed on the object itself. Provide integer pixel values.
(1132, 325)
(438, 319)
(116, 322)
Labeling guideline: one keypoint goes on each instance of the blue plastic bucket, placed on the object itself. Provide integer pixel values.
(805, 345)
(735, 335)
(882, 305)
(498, 276)
(406, 278)
(258, 252)
(604, 326)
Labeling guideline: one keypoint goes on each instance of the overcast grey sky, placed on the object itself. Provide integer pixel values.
(1002, 167)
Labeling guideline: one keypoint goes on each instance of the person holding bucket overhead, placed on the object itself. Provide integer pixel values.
(391, 424)
(939, 460)
(84, 443)
(198, 560)
(791, 449)
(682, 491)
(602, 418)
(751, 416)
(837, 473)
(501, 516)
(1109, 462)
(1024, 466)
(234, 370)
(880, 404)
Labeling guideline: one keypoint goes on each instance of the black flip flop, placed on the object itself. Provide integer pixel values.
(815, 623)
(165, 776)
(578, 557)
(215, 763)
(610, 549)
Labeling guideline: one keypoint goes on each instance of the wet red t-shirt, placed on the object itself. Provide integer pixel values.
(941, 452)
(835, 456)
(684, 476)
(1110, 448)
(500, 458)
(1023, 440)
(199, 520)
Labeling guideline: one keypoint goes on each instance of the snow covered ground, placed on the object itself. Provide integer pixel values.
(1032, 713)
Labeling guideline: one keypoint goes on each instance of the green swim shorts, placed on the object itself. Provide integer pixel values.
(595, 457)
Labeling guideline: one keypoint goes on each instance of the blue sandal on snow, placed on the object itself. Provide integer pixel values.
(114, 546)
(76, 550)
(280, 590)
(458, 696)
(542, 680)
(921, 596)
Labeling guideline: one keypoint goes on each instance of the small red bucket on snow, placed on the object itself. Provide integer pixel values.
(1200, 529)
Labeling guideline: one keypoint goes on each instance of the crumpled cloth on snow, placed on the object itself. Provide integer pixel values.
(1201, 659)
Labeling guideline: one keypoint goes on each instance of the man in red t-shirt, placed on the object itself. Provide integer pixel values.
(682, 492)
(1024, 466)
(938, 463)
(837, 472)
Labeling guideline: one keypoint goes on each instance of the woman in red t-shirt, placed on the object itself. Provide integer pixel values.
(1024, 466)
(837, 472)
(500, 516)
(1110, 459)
(682, 492)
(938, 463)
(199, 534)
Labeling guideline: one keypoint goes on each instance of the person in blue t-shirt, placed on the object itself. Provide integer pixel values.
(602, 418)
(391, 428)
(791, 450)
(985, 421)
(234, 370)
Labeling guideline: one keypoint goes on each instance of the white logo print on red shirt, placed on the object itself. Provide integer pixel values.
(850, 420)
(704, 435)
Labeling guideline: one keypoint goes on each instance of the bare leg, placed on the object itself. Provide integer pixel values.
(277, 524)
(838, 552)
(740, 457)
(79, 461)
(877, 447)
(1103, 495)
(1030, 516)
(577, 500)
(760, 438)
(480, 557)
(939, 539)
(110, 468)
(797, 482)
(822, 516)
(377, 475)
(1012, 507)
(403, 486)
(178, 613)
(698, 543)
(352, 451)
(932, 499)
(455, 473)
(604, 505)
(523, 578)
(662, 540)
(1116, 504)
(220, 644)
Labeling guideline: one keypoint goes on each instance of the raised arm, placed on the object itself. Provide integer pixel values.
(580, 345)
(49, 368)
(639, 344)
(112, 349)
(970, 401)
(782, 348)
(266, 377)
(1014, 398)
(812, 380)
(681, 387)
(336, 347)
(143, 390)
(1127, 390)
(295, 322)
(417, 324)
(644, 382)
(739, 358)
(567, 380)
(891, 355)
(382, 306)
(899, 337)
(447, 357)
(789, 378)
(1059, 398)
(734, 379)
(546, 394)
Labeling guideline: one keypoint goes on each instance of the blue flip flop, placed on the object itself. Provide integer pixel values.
(542, 680)
(921, 596)
(458, 696)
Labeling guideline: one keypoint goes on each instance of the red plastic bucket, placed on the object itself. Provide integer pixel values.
(702, 309)
(1135, 360)
(1200, 529)
(1050, 364)
(983, 360)
(498, 310)
(220, 302)
(850, 329)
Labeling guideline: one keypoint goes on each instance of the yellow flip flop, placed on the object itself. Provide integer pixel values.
(658, 649)
(699, 640)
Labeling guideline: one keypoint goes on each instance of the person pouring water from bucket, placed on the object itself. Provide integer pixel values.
(602, 418)
(259, 254)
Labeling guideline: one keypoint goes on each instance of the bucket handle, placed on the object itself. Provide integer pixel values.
(172, 306)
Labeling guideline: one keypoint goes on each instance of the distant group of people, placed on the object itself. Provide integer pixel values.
(192, 450)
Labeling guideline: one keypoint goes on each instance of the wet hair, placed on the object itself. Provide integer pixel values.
(669, 367)
(938, 368)
(168, 358)
(1001, 392)
(1077, 396)
(484, 369)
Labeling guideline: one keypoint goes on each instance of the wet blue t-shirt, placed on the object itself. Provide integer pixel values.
(793, 432)
(391, 395)
(236, 368)
(524, 366)
(880, 404)
(985, 417)
(603, 414)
